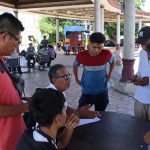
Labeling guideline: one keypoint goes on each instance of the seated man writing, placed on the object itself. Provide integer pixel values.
(60, 80)
(49, 111)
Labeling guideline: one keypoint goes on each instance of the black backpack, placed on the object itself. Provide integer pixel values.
(18, 82)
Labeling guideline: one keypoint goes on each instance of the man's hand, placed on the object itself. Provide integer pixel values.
(85, 112)
(72, 121)
(143, 81)
(147, 138)
(135, 78)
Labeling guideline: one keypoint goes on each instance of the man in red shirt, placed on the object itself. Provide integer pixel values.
(95, 75)
(11, 122)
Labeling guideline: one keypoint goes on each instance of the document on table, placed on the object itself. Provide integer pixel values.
(87, 121)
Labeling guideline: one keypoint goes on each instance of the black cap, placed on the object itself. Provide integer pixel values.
(143, 35)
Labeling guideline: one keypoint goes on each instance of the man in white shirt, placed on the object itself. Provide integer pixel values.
(60, 79)
(141, 79)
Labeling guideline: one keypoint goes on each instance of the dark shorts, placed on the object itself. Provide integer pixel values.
(100, 101)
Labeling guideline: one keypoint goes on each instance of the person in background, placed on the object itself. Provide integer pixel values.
(142, 78)
(13, 61)
(11, 106)
(30, 55)
(60, 80)
(49, 111)
(51, 53)
(66, 46)
(44, 42)
(59, 46)
(95, 77)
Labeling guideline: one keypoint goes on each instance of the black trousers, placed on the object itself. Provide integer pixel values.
(100, 101)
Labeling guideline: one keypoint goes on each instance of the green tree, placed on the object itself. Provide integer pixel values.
(110, 27)
(48, 25)
(139, 3)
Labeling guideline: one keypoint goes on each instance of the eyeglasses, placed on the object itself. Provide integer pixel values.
(65, 76)
(12, 35)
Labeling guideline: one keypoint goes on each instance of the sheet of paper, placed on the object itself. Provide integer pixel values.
(87, 121)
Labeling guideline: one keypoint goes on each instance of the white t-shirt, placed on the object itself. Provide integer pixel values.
(142, 93)
(52, 86)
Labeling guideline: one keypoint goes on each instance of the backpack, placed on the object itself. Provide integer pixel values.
(18, 82)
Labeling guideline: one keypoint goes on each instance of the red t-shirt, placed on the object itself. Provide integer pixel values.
(11, 128)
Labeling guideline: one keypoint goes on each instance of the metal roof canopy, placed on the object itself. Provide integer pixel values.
(69, 9)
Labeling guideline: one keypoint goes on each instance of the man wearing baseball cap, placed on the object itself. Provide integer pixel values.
(141, 78)
(143, 35)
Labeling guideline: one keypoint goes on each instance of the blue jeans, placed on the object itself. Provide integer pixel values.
(148, 147)
(100, 101)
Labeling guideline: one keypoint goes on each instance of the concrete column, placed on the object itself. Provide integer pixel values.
(140, 23)
(118, 59)
(57, 30)
(118, 32)
(97, 16)
(16, 13)
(129, 39)
(86, 35)
(102, 19)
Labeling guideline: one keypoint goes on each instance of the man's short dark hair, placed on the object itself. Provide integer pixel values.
(9, 23)
(53, 71)
(45, 105)
(97, 37)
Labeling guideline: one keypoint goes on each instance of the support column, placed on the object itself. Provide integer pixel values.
(102, 19)
(57, 30)
(118, 59)
(86, 35)
(129, 38)
(140, 23)
(97, 16)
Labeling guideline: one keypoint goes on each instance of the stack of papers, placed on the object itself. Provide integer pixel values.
(87, 121)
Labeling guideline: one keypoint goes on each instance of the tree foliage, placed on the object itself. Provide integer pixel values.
(48, 25)
(139, 3)
(110, 29)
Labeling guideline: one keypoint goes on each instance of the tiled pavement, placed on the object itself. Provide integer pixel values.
(118, 101)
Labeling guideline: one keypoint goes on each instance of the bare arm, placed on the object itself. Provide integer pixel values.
(9, 111)
(147, 137)
(75, 72)
(83, 112)
(112, 65)
(142, 81)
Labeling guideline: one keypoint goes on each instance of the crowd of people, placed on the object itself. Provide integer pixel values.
(50, 121)
(44, 55)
